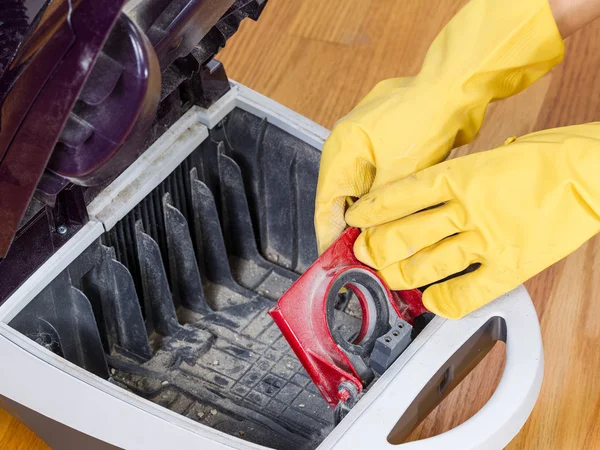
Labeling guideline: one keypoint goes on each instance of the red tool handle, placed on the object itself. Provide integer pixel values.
(304, 315)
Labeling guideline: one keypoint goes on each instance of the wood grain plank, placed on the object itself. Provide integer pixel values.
(330, 21)
(16, 436)
(322, 76)
(574, 95)
(467, 398)
(5, 420)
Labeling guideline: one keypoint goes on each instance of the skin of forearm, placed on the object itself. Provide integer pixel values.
(571, 15)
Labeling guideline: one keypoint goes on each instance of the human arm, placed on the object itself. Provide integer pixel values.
(490, 50)
(572, 15)
(512, 212)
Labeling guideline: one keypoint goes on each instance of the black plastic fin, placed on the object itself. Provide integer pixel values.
(160, 309)
(83, 329)
(238, 223)
(243, 135)
(185, 276)
(305, 189)
(65, 322)
(209, 239)
(278, 196)
(210, 170)
(111, 291)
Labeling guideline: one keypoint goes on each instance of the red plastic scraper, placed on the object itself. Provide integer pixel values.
(304, 314)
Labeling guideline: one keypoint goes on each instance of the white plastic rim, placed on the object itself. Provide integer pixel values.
(495, 425)
(42, 381)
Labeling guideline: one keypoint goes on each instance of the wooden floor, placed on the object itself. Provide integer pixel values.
(319, 58)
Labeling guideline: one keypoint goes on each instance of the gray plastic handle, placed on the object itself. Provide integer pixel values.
(440, 356)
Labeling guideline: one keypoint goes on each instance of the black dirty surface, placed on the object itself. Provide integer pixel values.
(232, 370)
(172, 302)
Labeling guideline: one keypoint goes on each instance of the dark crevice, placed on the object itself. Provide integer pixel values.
(262, 213)
(295, 213)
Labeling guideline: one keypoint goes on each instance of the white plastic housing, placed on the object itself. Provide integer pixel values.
(43, 382)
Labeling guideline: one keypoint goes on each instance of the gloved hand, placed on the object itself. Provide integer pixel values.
(492, 49)
(515, 210)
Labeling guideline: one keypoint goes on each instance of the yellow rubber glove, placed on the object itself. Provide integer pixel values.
(492, 49)
(515, 210)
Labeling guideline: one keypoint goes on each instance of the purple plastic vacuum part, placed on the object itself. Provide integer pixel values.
(82, 29)
(178, 30)
(84, 90)
(105, 131)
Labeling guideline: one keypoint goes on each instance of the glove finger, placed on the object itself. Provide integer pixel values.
(347, 170)
(401, 198)
(434, 263)
(457, 297)
(395, 241)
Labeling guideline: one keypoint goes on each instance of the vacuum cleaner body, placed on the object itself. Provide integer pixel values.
(164, 212)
